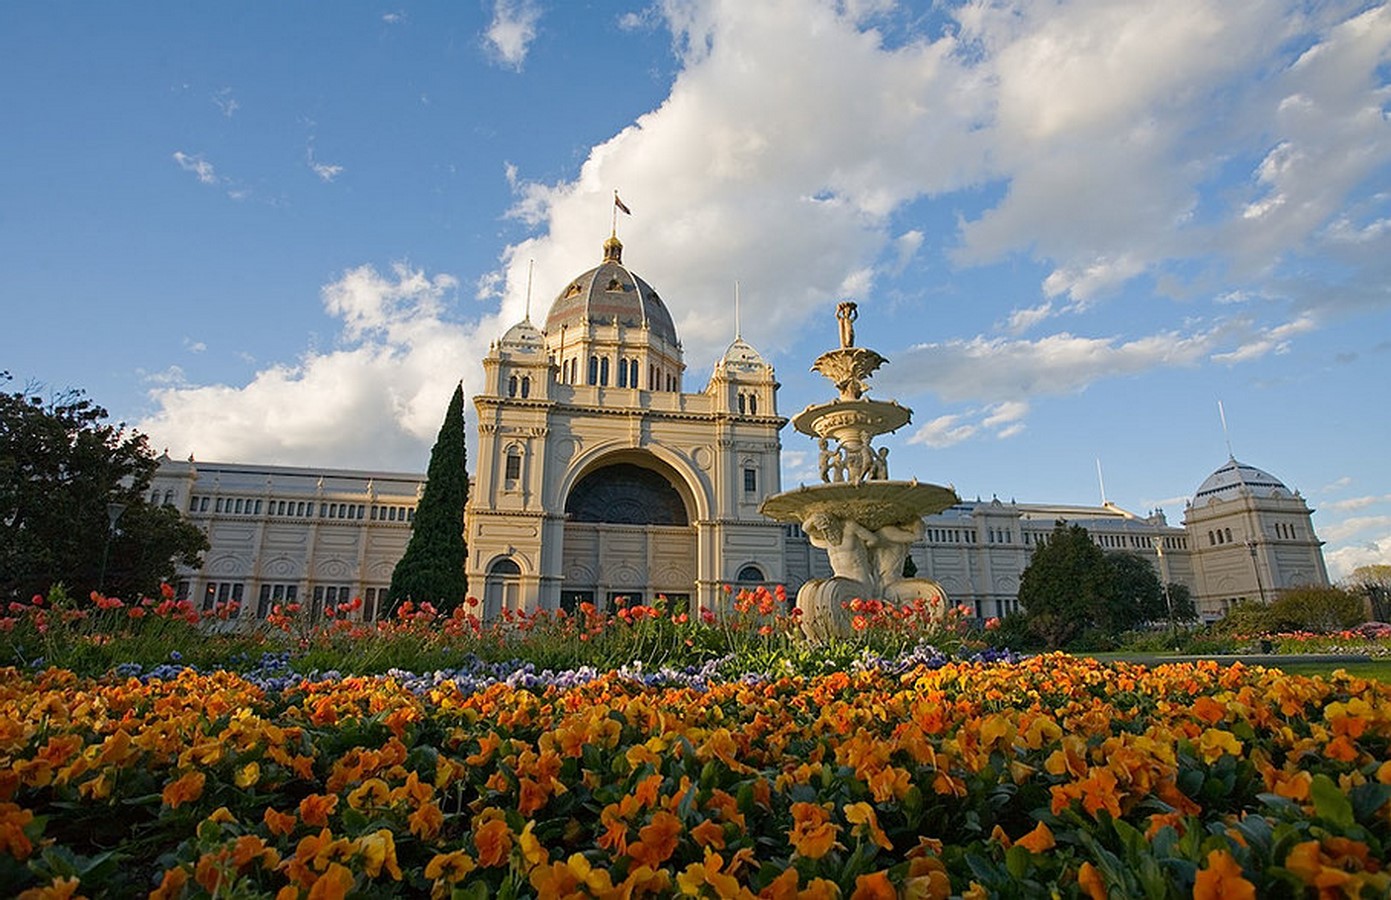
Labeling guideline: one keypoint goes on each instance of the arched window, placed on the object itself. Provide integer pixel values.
(750, 575)
(622, 373)
(753, 404)
(742, 402)
(1229, 535)
(594, 370)
(513, 470)
(526, 386)
(604, 371)
(633, 373)
(512, 386)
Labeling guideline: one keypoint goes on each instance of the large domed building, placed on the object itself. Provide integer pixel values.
(599, 477)
(1251, 537)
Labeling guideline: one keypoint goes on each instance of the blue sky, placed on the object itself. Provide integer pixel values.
(283, 233)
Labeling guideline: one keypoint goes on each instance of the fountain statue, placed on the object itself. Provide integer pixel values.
(863, 520)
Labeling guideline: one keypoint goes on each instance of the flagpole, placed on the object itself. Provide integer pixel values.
(613, 226)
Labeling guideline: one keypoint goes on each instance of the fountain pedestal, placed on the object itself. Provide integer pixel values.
(863, 520)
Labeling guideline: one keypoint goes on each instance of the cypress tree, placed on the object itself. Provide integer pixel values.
(432, 569)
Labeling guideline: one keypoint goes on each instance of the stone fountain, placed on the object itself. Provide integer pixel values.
(862, 519)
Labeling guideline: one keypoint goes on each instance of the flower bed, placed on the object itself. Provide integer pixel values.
(1051, 774)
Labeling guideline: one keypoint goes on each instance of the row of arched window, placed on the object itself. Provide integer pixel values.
(624, 372)
(748, 403)
(519, 387)
(1220, 536)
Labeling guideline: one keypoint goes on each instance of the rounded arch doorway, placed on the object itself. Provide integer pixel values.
(502, 588)
(629, 533)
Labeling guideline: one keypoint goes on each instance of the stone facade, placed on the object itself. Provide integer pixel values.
(282, 535)
(598, 476)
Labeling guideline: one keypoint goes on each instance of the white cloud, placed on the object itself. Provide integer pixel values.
(373, 401)
(224, 101)
(193, 346)
(1358, 502)
(512, 30)
(1002, 370)
(1098, 137)
(196, 164)
(327, 172)
(1338, 532)
(393, 18)
(944, 431)
(1000, 420)
(1342, 561)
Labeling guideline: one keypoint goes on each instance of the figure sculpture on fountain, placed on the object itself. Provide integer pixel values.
(865, 522)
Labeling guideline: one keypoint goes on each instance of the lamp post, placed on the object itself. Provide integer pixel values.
(113, 515)
(1256, 567)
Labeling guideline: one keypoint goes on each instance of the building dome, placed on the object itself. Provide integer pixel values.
(1235, 478)
(611, 292)
(741, 354)
(523, 336)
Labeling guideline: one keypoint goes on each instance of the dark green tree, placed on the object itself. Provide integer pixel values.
(1139, 594)
(61, 467)
(1068, 586)
(432, 569)
(1181, 599)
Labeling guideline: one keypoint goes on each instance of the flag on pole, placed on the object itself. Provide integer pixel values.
(621, 205)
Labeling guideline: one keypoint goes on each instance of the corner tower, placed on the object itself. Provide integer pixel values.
(1251, 537)
(598, 477)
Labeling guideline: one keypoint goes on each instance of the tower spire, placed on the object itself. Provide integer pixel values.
(1226, 435)
(737, 331)
(530, 264)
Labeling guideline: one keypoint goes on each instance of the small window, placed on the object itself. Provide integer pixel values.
(526, 386)
(594, 370)
(742, 402)
(750, 480)
(514, 466)
(604, 371)
(512, 386)
(753, 404)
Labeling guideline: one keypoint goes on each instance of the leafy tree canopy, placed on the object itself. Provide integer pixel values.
(1374, 583)
(432, 569)
(62, 465)
(1071, 585)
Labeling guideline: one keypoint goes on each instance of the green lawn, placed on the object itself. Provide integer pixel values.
(1379, 669)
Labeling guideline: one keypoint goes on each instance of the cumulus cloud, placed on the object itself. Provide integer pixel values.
(1004, 370)
(512, 30)
(1342, 561)
(1198, 146)
(372, 401)
(1109, 130)
(1354, 526)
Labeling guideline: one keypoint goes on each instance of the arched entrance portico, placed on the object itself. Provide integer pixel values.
(628, 533)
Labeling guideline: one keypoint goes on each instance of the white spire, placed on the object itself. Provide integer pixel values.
(1226, 436)
(737, 333)
(530, 264)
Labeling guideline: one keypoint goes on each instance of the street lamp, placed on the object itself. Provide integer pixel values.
(113, 515)
(1256, 566)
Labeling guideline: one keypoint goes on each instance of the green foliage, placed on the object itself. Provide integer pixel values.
(1373, 583)
(432, 569)
(1296, 609)
(1316, 609)
(61, 464)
